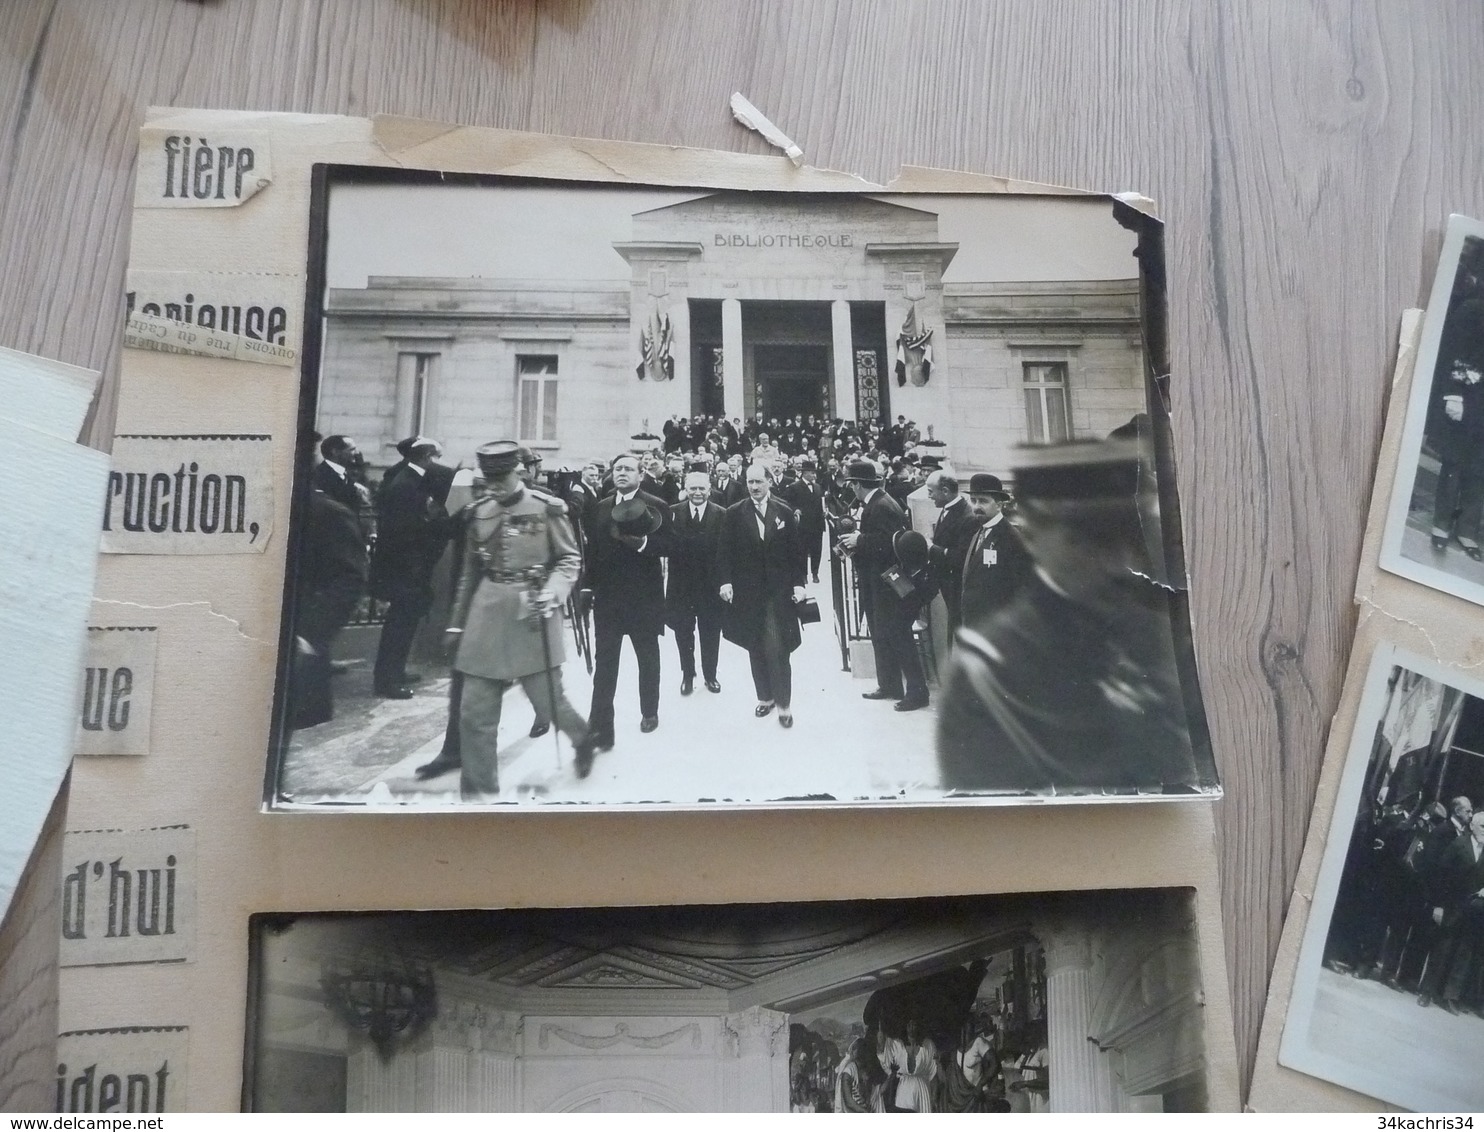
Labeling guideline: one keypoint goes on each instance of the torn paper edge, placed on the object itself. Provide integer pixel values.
(167, 336)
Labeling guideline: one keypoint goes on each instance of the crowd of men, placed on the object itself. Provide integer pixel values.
(713, 532)
(1409, 911)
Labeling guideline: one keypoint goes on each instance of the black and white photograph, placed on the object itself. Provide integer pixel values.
(659, 497)
(1081, 1002)
(1433, 528)
(1389, 994)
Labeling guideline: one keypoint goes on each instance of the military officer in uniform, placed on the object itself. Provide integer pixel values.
(520, 561)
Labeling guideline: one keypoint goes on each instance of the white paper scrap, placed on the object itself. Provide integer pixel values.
(754, 119)
(50, 519)
(52, 396)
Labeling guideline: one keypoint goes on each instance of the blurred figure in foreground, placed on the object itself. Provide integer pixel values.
(1073, 685)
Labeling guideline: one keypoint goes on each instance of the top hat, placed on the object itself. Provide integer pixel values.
(635, 518)
(498, 456)
(983, 483)
(862, 471)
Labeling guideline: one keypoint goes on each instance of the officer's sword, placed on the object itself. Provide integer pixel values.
(538, 583)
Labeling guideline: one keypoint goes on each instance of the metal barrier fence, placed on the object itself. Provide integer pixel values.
(851, 623)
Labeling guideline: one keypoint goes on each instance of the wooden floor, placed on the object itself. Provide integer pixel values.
(1304, 155)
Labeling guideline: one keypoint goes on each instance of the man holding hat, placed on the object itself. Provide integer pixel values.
(992, 562)
(520, 562)
(630, 533)
(899, 674)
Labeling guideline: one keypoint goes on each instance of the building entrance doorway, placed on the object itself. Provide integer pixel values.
(792, 381)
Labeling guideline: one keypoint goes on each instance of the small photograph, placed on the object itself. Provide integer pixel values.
(1389, 995)
(1433, 531)
(1082, 1002)
(661, 497)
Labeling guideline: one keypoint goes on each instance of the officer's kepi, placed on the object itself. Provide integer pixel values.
(498, 457)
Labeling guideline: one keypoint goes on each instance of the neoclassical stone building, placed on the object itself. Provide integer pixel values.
(736, 303)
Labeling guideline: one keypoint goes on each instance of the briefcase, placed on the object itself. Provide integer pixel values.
(808, 611)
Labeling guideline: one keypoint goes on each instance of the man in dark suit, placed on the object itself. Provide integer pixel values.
(413, 529)
(996, 563)
(899, 674)
(692, 604)
(807, 499)
(1458, 909)
(954, 529)
(728, 489)
(583, 496)
(760, 574)
(630, 533)
(332, 474)
(330, 579)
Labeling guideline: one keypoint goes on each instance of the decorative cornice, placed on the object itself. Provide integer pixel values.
(621, 1036)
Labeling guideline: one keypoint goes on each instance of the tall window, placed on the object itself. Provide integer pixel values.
(536, 408)
(414, 380)
(1048, 415)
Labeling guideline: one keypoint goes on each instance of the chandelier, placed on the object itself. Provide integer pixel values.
(390, 999)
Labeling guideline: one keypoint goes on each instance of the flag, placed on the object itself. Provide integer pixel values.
(656, 349)
(914, 351)
(646, 352)
(667, 341)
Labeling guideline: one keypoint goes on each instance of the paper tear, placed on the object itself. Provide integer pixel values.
(1153, 581)
(200, 606)
(1437, 654)
(754, 119)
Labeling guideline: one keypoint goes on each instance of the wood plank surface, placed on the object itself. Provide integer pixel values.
(1303, 154)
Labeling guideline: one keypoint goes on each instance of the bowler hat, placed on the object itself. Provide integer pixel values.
(862, 471)
(911, 550)
(983, 483)
(636, 519)
(405, 448)
(498, 456)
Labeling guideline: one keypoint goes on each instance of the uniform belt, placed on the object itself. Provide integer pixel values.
(518, 579)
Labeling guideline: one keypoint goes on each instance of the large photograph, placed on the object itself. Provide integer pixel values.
(1085, 1002)
(658, 497)
(1435, 524)
(1389, 995)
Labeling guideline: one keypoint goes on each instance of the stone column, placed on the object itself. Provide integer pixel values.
(844, 357)
(466, 1062)
(1081, 1079)
(374, 1085)
(733, 372)
(754, 1061)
